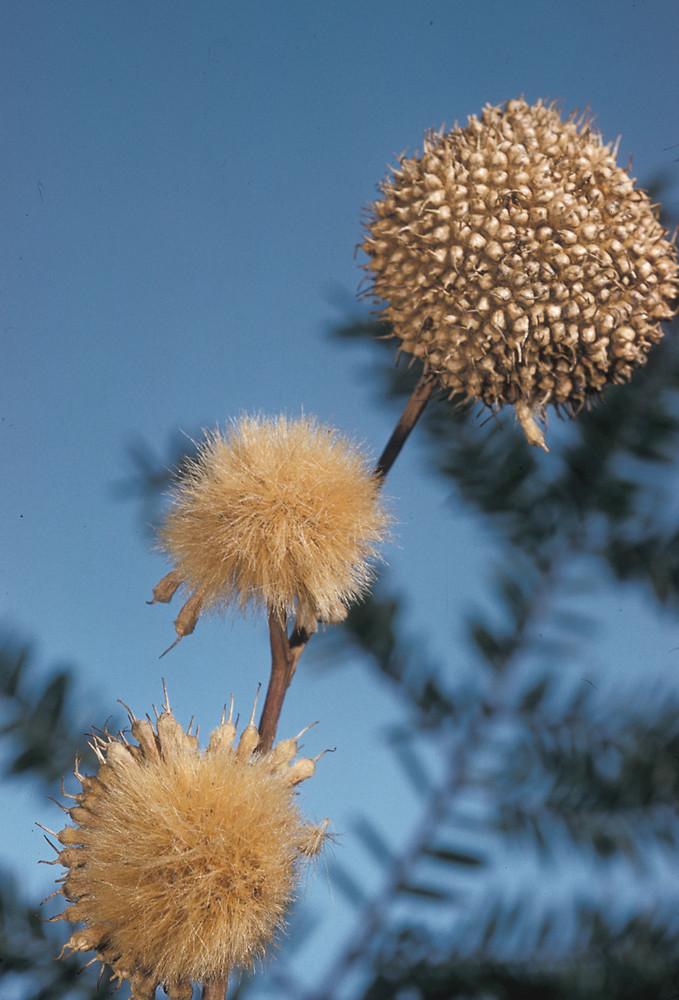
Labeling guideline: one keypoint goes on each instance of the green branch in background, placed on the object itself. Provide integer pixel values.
(38, 716)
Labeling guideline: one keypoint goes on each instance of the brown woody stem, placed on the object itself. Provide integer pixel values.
(287, 650)
(281, 674)
(411, 414)
(216, 989)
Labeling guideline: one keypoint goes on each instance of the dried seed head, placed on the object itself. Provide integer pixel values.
(281, 512)
(183, 862)
(520, 263)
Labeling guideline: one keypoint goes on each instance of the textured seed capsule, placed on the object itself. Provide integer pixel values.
(535, 213)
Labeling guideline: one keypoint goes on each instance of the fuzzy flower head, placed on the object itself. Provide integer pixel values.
(520, 263)
(284, 513)
(182, 863)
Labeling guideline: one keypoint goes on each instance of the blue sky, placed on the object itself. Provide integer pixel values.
(180, 206)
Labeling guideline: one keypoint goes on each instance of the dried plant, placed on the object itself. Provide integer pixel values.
(520, 263)
(182, 864)
(281, 513)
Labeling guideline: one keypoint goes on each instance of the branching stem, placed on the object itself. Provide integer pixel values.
(411, 414)
(281, 674)
(286, 650)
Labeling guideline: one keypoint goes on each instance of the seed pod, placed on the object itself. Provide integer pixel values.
(142, 730)
(221, 739)
(250, 736)
(277, 512)
(301, 770)
(187, 860)
(164, 591)
(86, 940)
(284, 751)
(569, 234)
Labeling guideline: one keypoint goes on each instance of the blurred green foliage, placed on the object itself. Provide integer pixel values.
(41, 732)
(38, 719)
(28, 949)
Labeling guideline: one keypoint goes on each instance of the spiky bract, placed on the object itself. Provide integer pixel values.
(519, 262)
(183, 863)
(281, 512)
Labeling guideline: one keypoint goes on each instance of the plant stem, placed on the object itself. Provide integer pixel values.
(287, 650)
(281, 675)
(411, 414)
(216, 989)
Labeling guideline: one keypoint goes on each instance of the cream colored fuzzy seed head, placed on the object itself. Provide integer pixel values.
(183, 862)
(520, 263)
(283, 513)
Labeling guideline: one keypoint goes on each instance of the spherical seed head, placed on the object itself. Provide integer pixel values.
(280, 512)
(186, 860)
(519, 262)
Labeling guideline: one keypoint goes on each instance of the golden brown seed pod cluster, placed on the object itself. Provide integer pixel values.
(181, 863)
(283, 513)
(519, 262)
